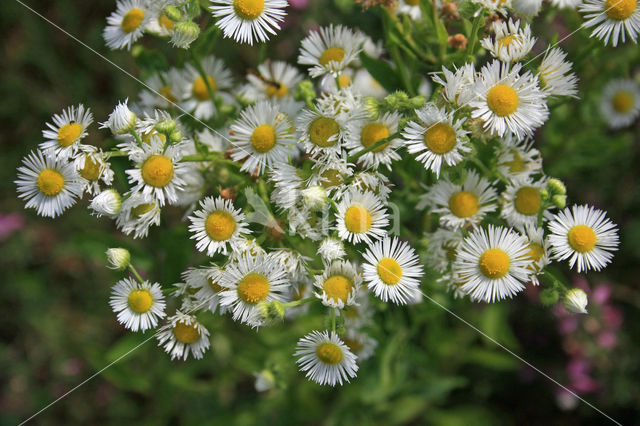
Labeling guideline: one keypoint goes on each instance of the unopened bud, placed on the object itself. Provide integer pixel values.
(549, 296)
(544, 194)
(314, 197)
(305, 92)
(576, 301)
(450, 12)
(265, 380)
(175, 136)
(560, 201)
(556, 186)
(458, 41)
(396, 100)
(271, 311)
(173, 13)
(372, 106)
(228, 193)
(184, 33)
(166, 126)
(107, 203)
(118, 258)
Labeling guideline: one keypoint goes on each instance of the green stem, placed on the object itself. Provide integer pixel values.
(473, 37)
(137, 136)
(298, 302)
(204, 76)
(135, 273)
(117, 153)
(376, 145)
(333, 319)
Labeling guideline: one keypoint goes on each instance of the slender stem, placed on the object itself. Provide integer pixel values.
(135, 273)
(473, 37)
(137, 136)
(205, 78)
(117, 153)
(376, 145)
(333, 319)
(298, 302)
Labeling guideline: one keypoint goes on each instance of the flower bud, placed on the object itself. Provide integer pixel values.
(265, 380)
(107, 203)
(305, 92)
(173, 13)
(271, 311)
(331, 249)
(560, 201)
(556, 186)
(166, 126)
(184, 33)
(526, 8)
(549, 296)
(396, 100)
(544, 194)
(314, 197)
(372, 106)
(576, 301)
(417, 102)
(122, 120)
(458, 41)
(118, 258)
(450, 11)
(175, 136)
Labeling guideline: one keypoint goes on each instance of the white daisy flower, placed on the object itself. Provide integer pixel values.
(68, 129)
(331, 173)
(522, 201)
(275, 80)
(362, 134)
(508, 101)
(332, 84)
(511, 42)
(195, 90)
(92, 164)
(247, 21)
(458, 85)
(492, 264)
(292, 262)
(159, 172)
(436, 138)
(499, 6)
(138, 213)
(121, 120)
(325, 358)
(215, 141)
(49, 186)
(107, 203)
(126, 25)
(555, 75)
(360, 314)
(410, 8)
(183, 334)
(331, 249)
(361, 344)
(373, 181)
(517, 158)
(361, 217)
(461, 205)
(443, 246)
(262, 137)
(329, 50)
(162, 89)
(249, 281)
(392, 270)
(526, 8)
(539, 250)
(218, 226)
(366, 85)
(620, 103)
(322, 132)
(288, 184)
(583, 235)
(159, 23)
(339, 285)
(613, 19)
(205, 283)
(138, 305)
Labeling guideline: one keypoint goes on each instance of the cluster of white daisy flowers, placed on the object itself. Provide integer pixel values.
(307, 153)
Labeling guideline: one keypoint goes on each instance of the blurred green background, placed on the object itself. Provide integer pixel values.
(57, 328)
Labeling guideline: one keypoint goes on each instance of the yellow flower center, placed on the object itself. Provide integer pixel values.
(354, 344)
(330, 178)
(141, 209)
(166, 22)
(248, 9)
(215, 286)
(140, 301)
(50, 182)
(582, 238)
(253, 288)
(337, 288)
(494, 263)
(322, 129)
(332, 54)
(502, 100)
(68, 134)
(389, 271)
(620, 9)
(187, 334)
(132, 20)
(157, 171)
(506, 41)
(622, 102)
(199, 89)
(535, 253)
(517, 165)
(372, 133)
(527, 200)
(167, 93)
(440, 138)
(464, 204)
(357, 219)
(146, 137)
(280, 90)
(91, 169)
(263, 138)
(329, 353)
(344, 80)
(220, 225)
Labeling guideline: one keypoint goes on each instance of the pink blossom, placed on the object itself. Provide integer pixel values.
(9, 224)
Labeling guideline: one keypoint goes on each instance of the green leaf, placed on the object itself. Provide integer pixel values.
(382, 72)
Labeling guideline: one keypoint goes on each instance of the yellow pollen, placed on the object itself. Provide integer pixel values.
(146, 137)
(620, 9)
(330, 178)
(357, 219)
(464, 204)
(68, 134)
(140, 301)
(389, 271)
(440, 138)
(141, 209)
(186, 333)
(132, 20)
(322, 129)
(502, 100)
(527, 201)
(536, 251)
(50, 182)
(506, 41)
(215, 286)
(279, 90)
(622, 102)
(372, 133)
(344, 80)
(329, 353)
(494, 263)
(337, 288)
(253, 288)
(199, 89)
(167, 93)
(517, 165)
(263, 138)
(582, 238)
(332, 54)
(220, 225)
(165, 22)
(157, 171)
(91, 169)
(248, 9)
